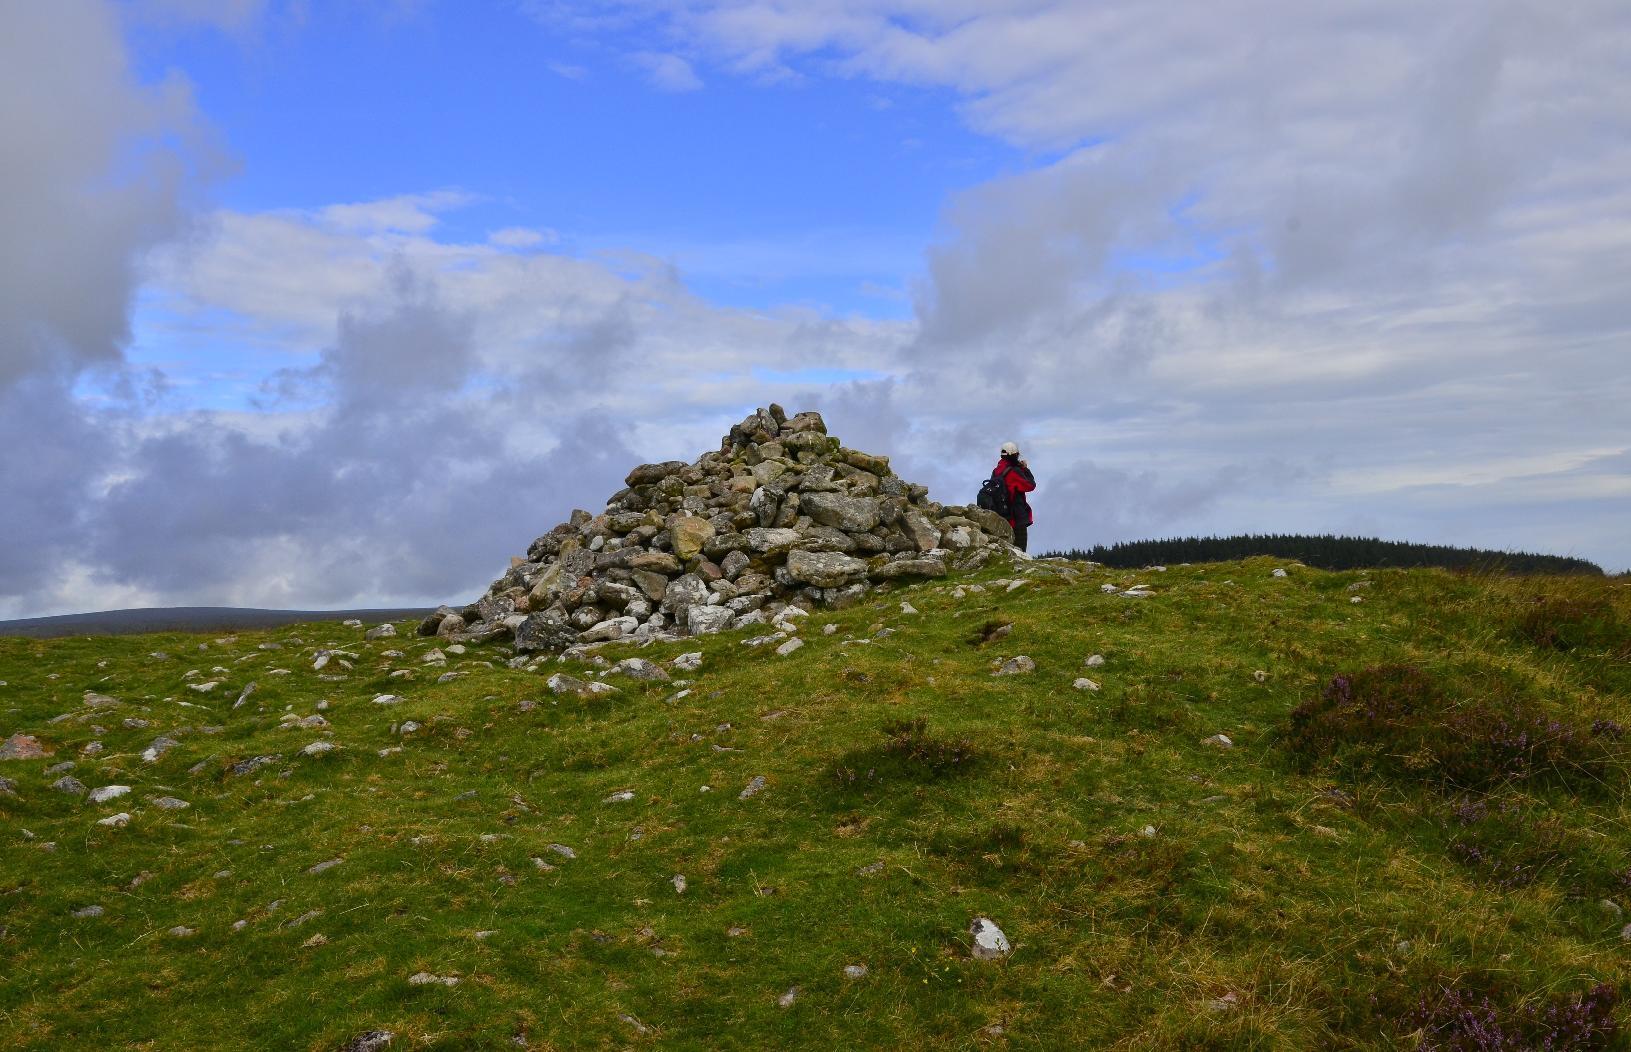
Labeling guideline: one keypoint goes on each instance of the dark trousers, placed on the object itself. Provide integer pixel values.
(1020, 530)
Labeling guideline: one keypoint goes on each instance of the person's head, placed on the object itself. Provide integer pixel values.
(1009, 449)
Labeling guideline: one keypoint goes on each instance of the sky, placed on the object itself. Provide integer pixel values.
(339, 304)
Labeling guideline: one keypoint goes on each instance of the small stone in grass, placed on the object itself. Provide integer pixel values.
(170, 803)
(254, 763)
(318, 748)
(563, 851)
(70, 785)
(108, 792)
(1095, 661)
(1085, 684)
(786, 1000)
(854, 971)
(1016, 666)
(89, 911)
(1220, 740)
(368, 1040)
(324, 867)
(316, 940)
(679, 884)
(427, 979)
(753, 787)
(1261, 676)
(181, 931)
(989, 941)
(118, 821)
(789, 646)
(622, 796)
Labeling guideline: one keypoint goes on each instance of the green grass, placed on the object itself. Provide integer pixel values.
(1289, 898)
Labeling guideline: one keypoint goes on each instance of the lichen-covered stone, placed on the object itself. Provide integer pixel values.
(824, 569)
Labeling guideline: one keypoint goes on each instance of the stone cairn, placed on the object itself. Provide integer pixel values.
(781, 515)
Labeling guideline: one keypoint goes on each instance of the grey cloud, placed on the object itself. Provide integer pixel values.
(1087, 503)
(90, 181)
(51, 457)
(403, 485)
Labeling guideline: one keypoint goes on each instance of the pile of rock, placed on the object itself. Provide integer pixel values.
(782, 514)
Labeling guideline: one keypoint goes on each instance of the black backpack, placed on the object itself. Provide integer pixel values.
(994, 496)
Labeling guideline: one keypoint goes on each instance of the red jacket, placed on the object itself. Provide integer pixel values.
(1019, 480)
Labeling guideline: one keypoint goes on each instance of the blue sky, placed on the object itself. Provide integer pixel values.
(835, 190)
(308, 304)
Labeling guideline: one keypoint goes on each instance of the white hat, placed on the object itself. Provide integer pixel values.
(1008, 449)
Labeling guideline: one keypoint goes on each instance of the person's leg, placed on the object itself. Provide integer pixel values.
(1020, 531)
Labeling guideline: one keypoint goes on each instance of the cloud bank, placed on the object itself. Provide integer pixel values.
(1275, 267)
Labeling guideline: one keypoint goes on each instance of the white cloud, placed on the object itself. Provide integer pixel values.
(522, 237)
(666, 71)
(407, 213)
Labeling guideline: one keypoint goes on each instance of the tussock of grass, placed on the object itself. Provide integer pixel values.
(1399, 721)
(1364, 867)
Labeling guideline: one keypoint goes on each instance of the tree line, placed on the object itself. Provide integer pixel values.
(1328, 552)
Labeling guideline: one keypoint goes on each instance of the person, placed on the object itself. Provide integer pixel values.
(1014, 473)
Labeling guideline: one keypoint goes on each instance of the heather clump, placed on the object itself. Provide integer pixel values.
(1509, 843)
(909, 752)
(1457, 1019)
(1398, 721)
(1569, 623)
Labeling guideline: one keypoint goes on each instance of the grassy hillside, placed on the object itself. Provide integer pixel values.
(1417, 837)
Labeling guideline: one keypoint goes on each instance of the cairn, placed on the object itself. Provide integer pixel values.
(781, 515)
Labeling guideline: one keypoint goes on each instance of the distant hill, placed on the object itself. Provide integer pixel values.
(186, 619)
(1328, 552)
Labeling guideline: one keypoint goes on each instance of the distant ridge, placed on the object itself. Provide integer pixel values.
(1328, 552)
(188, 619)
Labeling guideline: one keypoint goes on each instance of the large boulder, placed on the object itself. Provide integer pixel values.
(656, 562)
(851, 514)
(542, 632)
(684, 591)
(650, 474)
(609, 629)
(991, 523)
(923, 566)
(706, 620)
(810, 421)
(920, 531)
(824, 569)
(772, 541)
(687, 534)
(654, 585)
